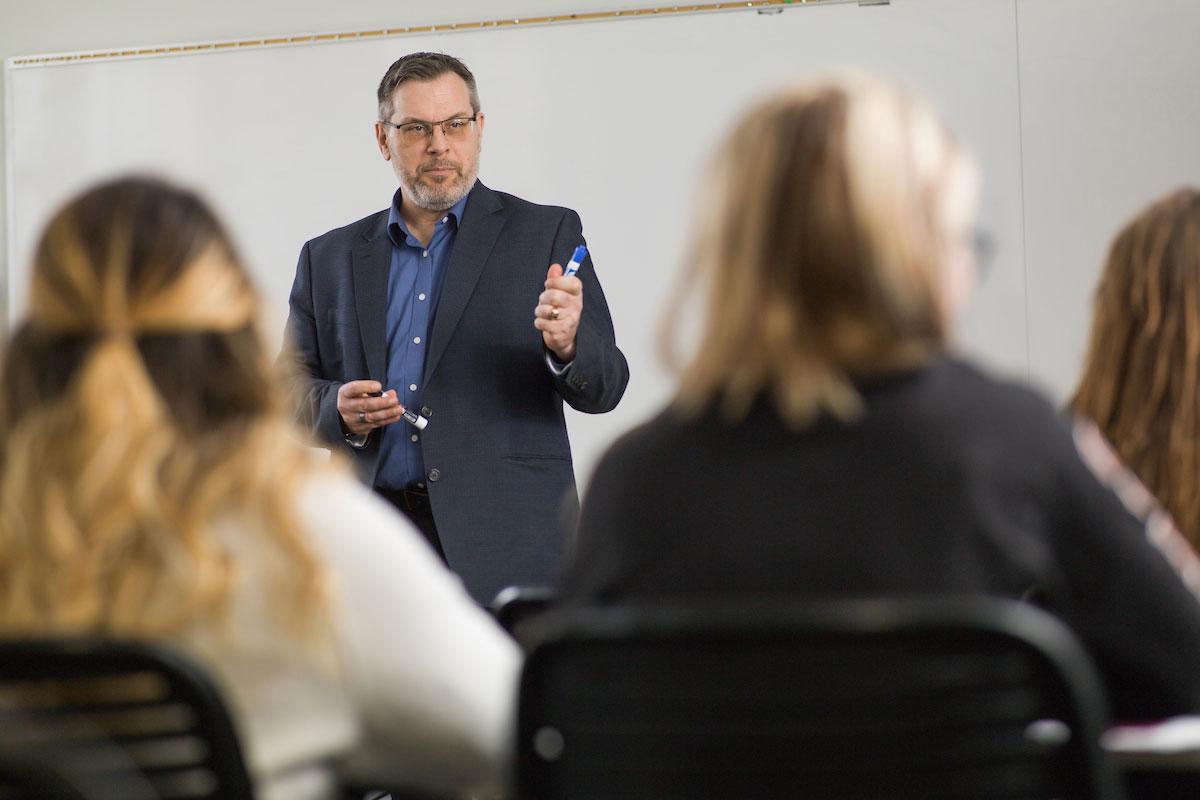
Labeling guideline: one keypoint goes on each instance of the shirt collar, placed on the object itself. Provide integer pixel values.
(398, 231)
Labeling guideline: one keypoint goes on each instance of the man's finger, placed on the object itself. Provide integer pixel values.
(571, 285)
(553, 297)
(356, 388)
(387, 400)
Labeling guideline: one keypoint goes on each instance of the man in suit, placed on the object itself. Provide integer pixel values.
(452, 303)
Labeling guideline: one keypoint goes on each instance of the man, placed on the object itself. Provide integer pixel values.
(453, 303)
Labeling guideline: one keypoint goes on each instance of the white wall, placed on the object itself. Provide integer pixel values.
(1110, 119)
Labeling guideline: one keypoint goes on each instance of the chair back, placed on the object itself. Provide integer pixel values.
(852, 700)
(514, 606)
(114, 719)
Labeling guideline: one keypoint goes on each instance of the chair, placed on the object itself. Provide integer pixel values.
(515, 605)
(113, 719)
(853, 700)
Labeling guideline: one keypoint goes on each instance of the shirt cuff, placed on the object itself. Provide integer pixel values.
(557, 367)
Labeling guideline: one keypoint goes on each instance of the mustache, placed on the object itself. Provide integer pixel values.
(441, 165)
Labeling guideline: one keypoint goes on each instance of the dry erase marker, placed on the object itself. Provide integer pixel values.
(576, 259)
(411, 417)
(415, 419)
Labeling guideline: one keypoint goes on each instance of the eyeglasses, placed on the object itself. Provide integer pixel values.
(454, 129)
(983, 246)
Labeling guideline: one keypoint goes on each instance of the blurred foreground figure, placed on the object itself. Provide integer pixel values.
(1141, 383)
(824, 444)
(153, 488)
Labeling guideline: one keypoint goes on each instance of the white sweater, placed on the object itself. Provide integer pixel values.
(424, 685)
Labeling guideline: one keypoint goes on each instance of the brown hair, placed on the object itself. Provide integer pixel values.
(138, 411)
(421, 67)
(1141, 381)
(821, 243)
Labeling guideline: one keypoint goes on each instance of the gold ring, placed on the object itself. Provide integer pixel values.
(554, 312)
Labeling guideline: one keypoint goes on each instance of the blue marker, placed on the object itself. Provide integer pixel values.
(576, 259)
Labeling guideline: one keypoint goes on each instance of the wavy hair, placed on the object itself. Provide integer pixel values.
(1141, 380)
(139, 411)
(827, 220)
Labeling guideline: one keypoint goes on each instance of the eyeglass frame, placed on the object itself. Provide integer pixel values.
(400, 126)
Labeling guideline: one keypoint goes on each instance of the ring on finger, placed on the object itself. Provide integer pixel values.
(362, 417)
(554, 312)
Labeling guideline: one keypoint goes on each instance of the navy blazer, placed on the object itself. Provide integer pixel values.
(497, 459)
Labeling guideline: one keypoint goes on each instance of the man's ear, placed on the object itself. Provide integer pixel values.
(381, 133)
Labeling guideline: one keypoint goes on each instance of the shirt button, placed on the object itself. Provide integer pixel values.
(424, 254)
(414, 437)
(412, 387)
(426, 411)
(434, 475)
(416, 340)
(421, 296)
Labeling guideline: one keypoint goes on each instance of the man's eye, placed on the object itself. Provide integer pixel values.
(415, 128)
(457, 124)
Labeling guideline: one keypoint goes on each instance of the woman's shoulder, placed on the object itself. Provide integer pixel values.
(981, 400)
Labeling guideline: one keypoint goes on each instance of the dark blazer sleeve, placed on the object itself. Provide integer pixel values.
(597, 377)
(313, 396)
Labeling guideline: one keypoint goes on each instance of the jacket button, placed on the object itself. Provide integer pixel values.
(435, 474)
(426, 411)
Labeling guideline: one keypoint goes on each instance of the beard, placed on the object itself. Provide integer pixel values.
(438, 196)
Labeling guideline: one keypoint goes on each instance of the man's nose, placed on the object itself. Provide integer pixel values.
(438, 143)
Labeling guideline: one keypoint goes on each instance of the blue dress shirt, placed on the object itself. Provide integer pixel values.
(414, 285)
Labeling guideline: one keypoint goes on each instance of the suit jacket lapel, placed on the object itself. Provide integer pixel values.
(372, 262)
(482, 220)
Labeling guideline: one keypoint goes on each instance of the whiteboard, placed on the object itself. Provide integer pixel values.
(1110, 106)
(612, 118)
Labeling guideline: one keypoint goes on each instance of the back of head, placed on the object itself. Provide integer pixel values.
(830, 223)
(1141, 381)
(138, 407)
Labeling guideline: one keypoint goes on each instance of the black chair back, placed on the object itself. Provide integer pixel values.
(514, 606)
(118, 720)
(857, 700)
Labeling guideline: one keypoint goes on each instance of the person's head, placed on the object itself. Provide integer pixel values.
(833, 244)
(436, 164)
(1141, 380)
(136, 405)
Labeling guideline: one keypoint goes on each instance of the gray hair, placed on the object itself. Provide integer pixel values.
(422, 67)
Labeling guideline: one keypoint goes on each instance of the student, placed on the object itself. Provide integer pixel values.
(152, 488)
(1141, 382)
(822, 441)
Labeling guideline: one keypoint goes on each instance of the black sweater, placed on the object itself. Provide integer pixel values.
(951, 482)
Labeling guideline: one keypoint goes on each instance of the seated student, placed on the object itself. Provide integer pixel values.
(823, 443)
(1141, 382)
(153, 488)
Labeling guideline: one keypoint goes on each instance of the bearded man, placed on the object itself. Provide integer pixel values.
(452, 305)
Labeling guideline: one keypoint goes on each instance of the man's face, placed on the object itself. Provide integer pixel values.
(435, 171)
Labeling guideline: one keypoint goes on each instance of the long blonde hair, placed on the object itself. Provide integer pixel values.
(821, 244)
(139, 410)
(1141, 381)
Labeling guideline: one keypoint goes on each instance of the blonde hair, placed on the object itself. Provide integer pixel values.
(821, 242)
(1141, 381)
(139, 411)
